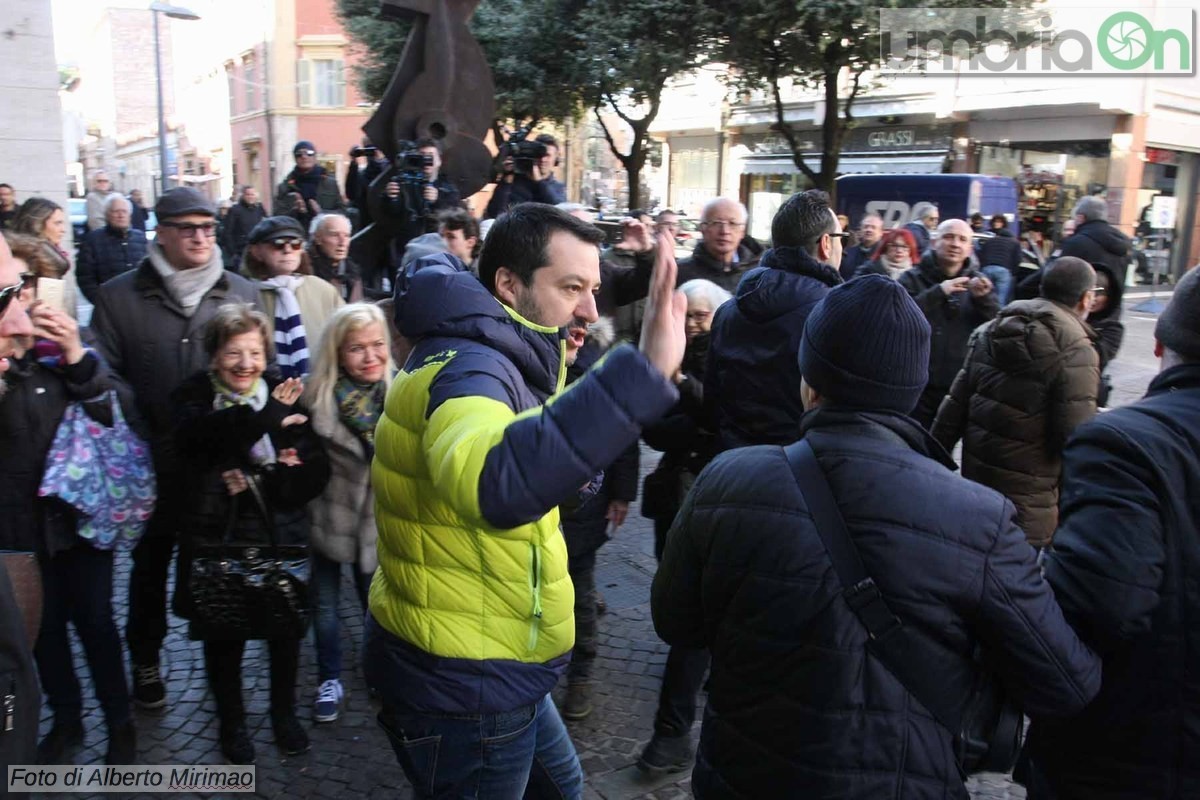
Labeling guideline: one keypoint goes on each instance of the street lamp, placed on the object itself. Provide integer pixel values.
(174, 12)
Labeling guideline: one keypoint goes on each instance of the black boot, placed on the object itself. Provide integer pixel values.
(62, 736)
(236, 744)
(122, 744)
(289, 733)
(667, 754)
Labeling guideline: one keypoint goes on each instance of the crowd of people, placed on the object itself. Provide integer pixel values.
(466, 445)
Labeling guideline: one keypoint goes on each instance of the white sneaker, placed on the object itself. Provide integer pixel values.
(329, 701)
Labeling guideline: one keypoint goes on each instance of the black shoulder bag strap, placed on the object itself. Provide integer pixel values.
(904, 651)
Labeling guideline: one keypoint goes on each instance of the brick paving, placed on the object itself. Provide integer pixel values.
(351, 757)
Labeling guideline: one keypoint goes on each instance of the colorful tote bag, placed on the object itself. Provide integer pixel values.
(106, 474)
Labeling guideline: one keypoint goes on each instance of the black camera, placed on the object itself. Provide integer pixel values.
(367, 150)
(411, 162)
(524, 151)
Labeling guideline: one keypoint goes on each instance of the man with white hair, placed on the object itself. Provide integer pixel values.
(956, 299)
(329, 251)
(725, 253)
(100, 191)
(1096, 241)
(107, 252)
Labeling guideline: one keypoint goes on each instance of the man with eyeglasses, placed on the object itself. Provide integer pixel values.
(725, 253)
(1030, 378)
(308, 189)
(870, 230)
(924, 222)
(149, 326)
(101, 189)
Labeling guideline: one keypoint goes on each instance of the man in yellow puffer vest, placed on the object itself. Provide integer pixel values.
(470, 620)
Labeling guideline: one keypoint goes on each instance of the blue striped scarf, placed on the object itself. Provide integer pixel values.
(291, 346)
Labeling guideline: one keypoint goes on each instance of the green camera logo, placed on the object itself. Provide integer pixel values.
(1038, 41)
(1127, 41)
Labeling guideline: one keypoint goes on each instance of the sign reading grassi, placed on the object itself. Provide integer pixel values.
(1066, 41)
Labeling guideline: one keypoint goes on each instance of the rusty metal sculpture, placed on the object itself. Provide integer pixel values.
(442, 89)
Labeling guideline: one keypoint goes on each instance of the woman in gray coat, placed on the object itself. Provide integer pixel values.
(349, 382)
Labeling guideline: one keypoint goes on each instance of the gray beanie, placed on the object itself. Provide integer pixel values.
(1178, 326)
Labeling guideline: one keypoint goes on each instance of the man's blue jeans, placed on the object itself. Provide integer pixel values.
(523, 753)
(1002, 279)
(327, 589)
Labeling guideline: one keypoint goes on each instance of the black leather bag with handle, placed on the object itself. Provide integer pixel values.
(243, 592)
(987, 726)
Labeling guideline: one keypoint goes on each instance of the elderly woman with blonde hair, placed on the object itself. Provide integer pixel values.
(351, 374)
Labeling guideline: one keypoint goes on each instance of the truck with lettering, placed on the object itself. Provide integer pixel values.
(957, 196)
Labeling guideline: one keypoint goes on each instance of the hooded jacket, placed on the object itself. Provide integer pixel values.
(471, 607)
(798, 706)
(752, 383)
(1099, 244)
(1124, 568)
(1029, 380)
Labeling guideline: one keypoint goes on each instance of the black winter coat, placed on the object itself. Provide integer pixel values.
(524, 189)
(701, 264)
(951, 317)
(30, 413)
(211, 442)
(1126, 570)
(797, 706)
(104, 254)
(752, 386)
(1099, 244)
(150, 344)
(853, 258)
(238, 223)
(1002, 250)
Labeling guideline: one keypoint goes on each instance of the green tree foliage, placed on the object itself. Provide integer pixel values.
(626, 53)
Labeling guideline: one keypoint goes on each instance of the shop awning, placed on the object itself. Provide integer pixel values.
(875, 163)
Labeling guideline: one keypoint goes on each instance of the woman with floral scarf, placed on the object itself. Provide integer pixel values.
(349, 382)
(238, 425)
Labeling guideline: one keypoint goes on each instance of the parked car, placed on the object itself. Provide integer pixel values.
(77, 211)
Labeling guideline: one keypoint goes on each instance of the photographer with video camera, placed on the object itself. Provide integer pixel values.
(370, 163)
(417, 190)
(528, 173)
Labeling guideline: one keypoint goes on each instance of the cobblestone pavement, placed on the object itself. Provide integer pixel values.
(351, 757)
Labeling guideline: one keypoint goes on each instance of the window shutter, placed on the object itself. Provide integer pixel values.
(339, 77)
(304, 82)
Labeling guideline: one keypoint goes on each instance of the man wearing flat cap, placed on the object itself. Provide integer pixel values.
(149, 327)
(308, 189)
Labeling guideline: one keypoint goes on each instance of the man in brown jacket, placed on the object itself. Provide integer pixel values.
(1029, 379)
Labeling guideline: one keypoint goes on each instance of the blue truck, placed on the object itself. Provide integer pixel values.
(956, 195)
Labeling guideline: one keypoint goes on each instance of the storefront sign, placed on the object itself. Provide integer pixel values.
(891, 139)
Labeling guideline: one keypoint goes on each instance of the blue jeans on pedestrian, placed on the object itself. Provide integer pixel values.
(1002, 279)
(523, 753)
(327, 592)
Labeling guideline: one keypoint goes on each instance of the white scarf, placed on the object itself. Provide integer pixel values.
(291, 344)
(187, 287)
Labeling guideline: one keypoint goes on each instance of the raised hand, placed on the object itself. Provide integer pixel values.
(289, 391)
(663, 339)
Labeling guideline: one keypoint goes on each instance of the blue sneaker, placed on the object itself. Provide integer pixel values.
(329, 701)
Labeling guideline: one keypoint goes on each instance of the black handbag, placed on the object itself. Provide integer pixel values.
(243, 592)
(986, 725)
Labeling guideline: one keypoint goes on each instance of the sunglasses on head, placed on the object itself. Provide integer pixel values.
(10, 293)
(286, 244)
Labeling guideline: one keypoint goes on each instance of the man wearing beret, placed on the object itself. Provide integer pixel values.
(1126, 569)
(801, 702)
(149, 326)
(308, 189)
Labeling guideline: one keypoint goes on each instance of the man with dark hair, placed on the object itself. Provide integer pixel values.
(956, 300)
(438, 194)
(870, 231)
(1125, 568)
(470, 622)
(460, 230)
(801, 702)
(149, 324)
(1000, 258)
(308, 189)
(539, 186)
(243, 216)
(1029, 380)
(751, 392)
(8, 206)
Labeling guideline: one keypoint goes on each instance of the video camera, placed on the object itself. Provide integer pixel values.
(368, 150)
(524, 151)
(409, 175)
